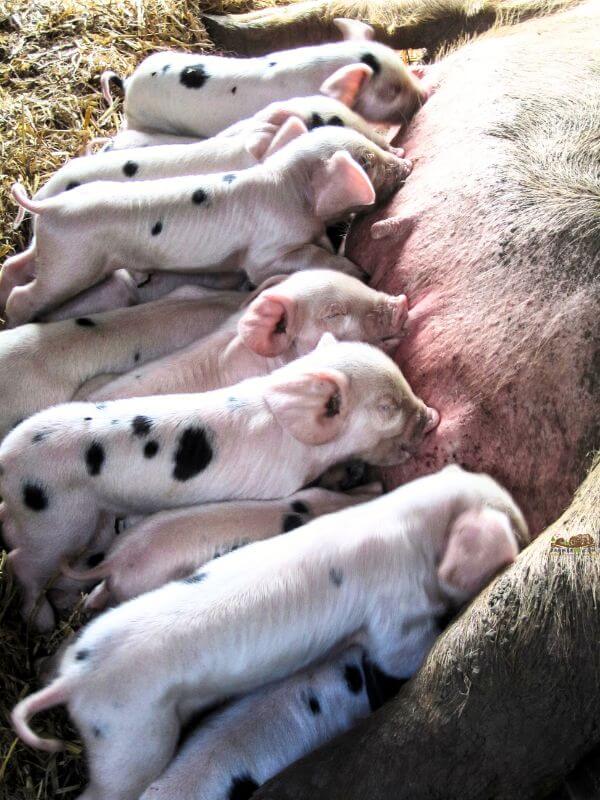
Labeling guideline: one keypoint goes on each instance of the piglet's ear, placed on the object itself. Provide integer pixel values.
(354, 30)
(271, 137)
(339, 185)
(267, 327)
(311, 406)
(345, 84)
(479, 544)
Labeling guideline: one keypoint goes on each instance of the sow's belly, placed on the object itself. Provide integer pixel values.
(503, 327)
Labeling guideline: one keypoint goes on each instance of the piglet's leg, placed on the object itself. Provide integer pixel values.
(45, 534)
(256, 737)
(61, 271)
(16, 271)
(126, 749)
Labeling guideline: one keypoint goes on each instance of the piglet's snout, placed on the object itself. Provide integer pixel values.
(386, 323)
(423, 421)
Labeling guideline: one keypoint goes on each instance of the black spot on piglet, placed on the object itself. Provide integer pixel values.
(85, 322)
(291, 521)
(229, 178)
(130, 168)
(336, 576)
(194, 453)
(314, 705)
(151, 449)
(34, 497)
(242, 787)
(335, 120)
(156, 228)
(71, 185)
(370, 60)
(198, 577)
(94, 458)
(194, 77)
(141, 425)
(300, 508)
(354, 679)
(316, 121)
(81, 655)
(199, 196)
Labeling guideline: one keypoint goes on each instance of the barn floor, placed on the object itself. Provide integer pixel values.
(51, 55)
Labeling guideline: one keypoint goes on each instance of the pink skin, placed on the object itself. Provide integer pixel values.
(489, 347)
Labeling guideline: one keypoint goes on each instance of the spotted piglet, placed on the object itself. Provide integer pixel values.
(375, 577)
(173, 544)
(203, 94)
(243, 145)
(266, 219)
(263, 438)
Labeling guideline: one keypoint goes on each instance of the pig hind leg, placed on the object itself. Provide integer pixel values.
(126, 752)
(16, 271)
(43, 537)
(61, 272)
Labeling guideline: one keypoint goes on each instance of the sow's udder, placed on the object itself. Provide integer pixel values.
(502, 323)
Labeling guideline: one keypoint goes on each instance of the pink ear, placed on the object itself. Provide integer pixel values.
(311, 406)
(291, 129)
(480, 543)
(267, 326)
(354, 30)
(340, 185)
(272, 137)
(345, 84)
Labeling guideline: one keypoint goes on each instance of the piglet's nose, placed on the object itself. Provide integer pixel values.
(399, 312)
(433, 420)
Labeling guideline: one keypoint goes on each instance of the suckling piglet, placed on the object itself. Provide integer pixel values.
(263, 438)
(243, 145)
(173, 544)
(274, 212)
(374, 576)
(282, 320)
(203, 94)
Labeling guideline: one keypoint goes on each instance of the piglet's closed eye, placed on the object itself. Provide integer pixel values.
(479, 544)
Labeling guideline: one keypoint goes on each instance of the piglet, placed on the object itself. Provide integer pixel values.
(173, 544)
(203, 94)
(53, 361)
(273, 212)
(236, 749)
(244, 145)
(374, 576)
(283, 319)
(263, 438)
